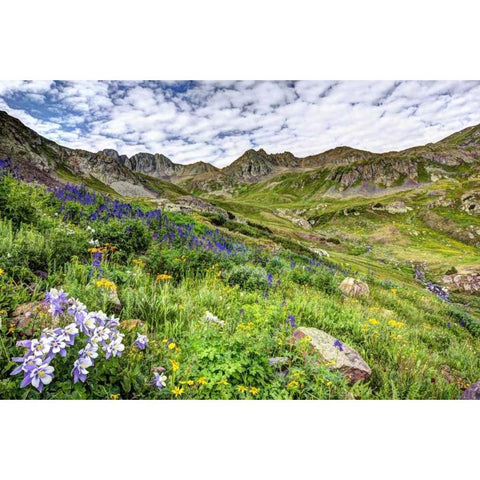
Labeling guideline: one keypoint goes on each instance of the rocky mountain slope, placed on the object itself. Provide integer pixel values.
(340, 171)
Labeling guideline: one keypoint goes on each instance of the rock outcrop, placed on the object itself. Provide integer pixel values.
(472, 392)
(467, 283)
(339, 355)
(352, 287)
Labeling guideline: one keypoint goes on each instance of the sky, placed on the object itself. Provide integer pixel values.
(216, 121)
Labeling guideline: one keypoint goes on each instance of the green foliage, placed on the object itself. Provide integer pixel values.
(248, 277)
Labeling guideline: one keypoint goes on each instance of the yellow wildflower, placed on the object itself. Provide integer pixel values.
(190, 382)
(106, 284)
(254, 390)
(171, 345)
(1, 271)
(175, 365)
(396, 324)
(114, 396)
(164, 276)
(165, 340)
(139, 263)
(222, 382)
(374, 321)
(242, 389)
(329, 383)
(181, 307)
(394, 291)
(202, 381)
(177, 391)
(293, 384)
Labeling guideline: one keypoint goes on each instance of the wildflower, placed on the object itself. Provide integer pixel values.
(90, 351)
(374, 321)
(223, 382)
(175, 365)
(202, 381)
(338, 344)
(41, 375)
(293, 384)
(329, 383)
(141, 342)
(171, 345)
(449, 325)
(69, 333)
(159, 380)
(114, 396)
(212, 318)
(177, 391)
(242, 388)
(291, 319)
(106, 284)
(41, 347)
(1, 271)
(254, 390)
(190, 382)
(57, 300)
(139, 263)
(394, 290)
(395, 324)
(163, 276)
(79, 370)
(115, 348)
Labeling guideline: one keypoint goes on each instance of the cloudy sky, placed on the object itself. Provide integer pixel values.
(216, 121)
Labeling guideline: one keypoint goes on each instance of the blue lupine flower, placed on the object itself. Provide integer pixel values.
(338, 344)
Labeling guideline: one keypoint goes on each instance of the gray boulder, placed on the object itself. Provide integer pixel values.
(341, 357)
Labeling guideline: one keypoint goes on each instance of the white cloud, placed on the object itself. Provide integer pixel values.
(218, 121)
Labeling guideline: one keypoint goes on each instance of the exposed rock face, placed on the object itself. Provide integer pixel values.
(293, 216)
(352, 287)
(397, 207)
(472, 392)
(26, 315)
(471, 203)
(42, 160)
(465, 283)
(157, 165)
(201, 205)
(255, 165)
(344, 358)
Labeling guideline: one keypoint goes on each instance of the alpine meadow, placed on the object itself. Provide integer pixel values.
(221, 270)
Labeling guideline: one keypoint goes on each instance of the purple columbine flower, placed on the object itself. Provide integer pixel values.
(79, 370)
(338, 344)
(41, 375)
(28, 363)
(58, 345)
(160, 380)
(69, 334)
(57, 300)
(141, 342)
(269, 280)
(291, 319)
(115, 348)
(89, 351)
(40, 347)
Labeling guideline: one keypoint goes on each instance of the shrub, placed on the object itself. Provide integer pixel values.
(248, 277)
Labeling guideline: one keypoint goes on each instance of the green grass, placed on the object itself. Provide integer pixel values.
(418, 347)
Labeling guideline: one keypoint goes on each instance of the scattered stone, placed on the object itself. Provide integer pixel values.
(115, 301)
(397, 207)
(469, 283)
(24, 317)
(352, 287)
(472, 392)
(341, 357)
(281, 364)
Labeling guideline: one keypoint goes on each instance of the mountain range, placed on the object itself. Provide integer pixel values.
(341, 171)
